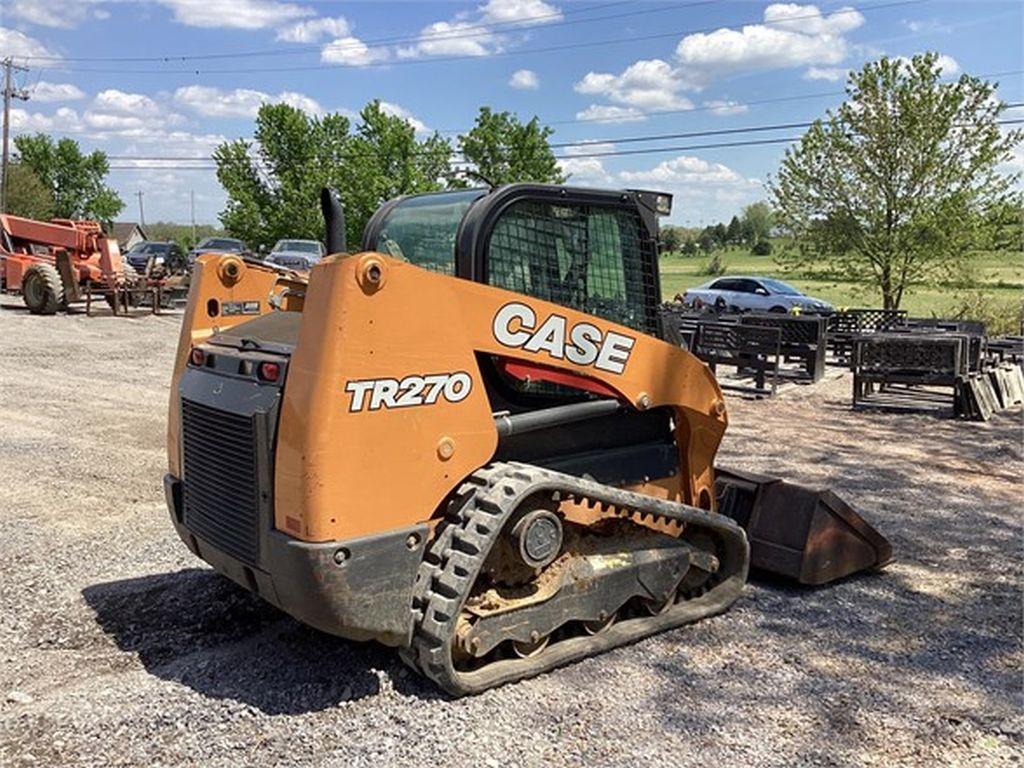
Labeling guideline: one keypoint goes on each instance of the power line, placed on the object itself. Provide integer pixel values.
(517, 52)
(582, 155)
(582, 143)
(485, 29)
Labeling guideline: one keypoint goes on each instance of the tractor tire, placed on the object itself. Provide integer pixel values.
(42, 289)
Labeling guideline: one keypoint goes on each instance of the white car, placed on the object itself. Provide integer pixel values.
(759, 294)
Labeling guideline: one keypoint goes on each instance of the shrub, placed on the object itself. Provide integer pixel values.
(762, 248)
(999, 317)
(714, 267)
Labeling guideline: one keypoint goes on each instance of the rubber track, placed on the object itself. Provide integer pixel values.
(473, 522)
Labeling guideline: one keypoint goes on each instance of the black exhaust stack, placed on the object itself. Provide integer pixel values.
(334, 219)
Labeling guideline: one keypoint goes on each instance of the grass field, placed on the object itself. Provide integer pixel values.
(999, 275)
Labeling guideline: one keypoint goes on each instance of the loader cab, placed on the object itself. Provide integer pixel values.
(591, 250)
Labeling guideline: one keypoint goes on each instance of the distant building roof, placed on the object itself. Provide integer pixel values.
(123, 230)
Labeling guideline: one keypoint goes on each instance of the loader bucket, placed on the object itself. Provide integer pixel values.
(798, 532)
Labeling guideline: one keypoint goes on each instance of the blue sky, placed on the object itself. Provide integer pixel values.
(596, 71)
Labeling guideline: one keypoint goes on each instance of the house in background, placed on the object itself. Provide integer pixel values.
(127, 234)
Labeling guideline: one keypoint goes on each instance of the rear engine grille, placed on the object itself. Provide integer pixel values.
(221, 479)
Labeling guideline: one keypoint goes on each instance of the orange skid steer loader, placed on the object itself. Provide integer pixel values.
(468, 440)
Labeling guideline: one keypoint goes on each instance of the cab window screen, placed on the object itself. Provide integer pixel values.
(588, 257)
(422, 229)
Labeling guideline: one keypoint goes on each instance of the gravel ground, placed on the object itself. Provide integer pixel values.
(117, 647)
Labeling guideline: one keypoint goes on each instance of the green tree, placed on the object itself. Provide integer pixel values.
(721, 234)
(181, 233)
(895, 186)
(757, 222)
(734, 232)
(504, 150)
(669, 240)
(706, 239)
(26, 195)
(273, 182)
(386, 160)
(74, 179)
(689, 248)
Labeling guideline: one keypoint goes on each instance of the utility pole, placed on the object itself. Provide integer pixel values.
(142, 214)
(192, 205)
(9, 93)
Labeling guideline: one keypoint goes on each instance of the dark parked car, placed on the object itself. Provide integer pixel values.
(165, 256)
(221, 245)
(296, 254)
(763, 294)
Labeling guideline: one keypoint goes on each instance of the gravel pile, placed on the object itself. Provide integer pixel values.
(117, 647)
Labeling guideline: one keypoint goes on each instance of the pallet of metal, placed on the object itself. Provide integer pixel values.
(1007, 381)
(754, 351)
(680, 323)
(974, 330)
(921, 371)
(804, 341)
(1008, 349)
(845, 325)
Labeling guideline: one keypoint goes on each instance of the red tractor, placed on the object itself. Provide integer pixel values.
(55, 263)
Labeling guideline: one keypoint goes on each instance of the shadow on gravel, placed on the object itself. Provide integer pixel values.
(199, 629)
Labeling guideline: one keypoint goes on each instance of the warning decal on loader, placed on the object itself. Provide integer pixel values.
(374, 394)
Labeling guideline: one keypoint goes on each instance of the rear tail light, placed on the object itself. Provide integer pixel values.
(198, 357)
(270, 371)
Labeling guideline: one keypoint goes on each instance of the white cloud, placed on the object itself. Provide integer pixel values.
(240, 102)
(646, 85)
(604, 113)
(1016, 162)
(452, 38)
(686, 169)
(399, 111)
(44, 92)
(64, 120)
(584, 169)
(472, 35)
(525, 12)
(808, 19)
(237, 14)
(524, 80)
(351, 51)
(59, 14)
(589, 170)
(590, 146)
(703, 190)
(948, 64)
(19, 45)
(927, 26)
(832, 74)
(122, 103)
(726, 107)
(314, 30)
(794, 35)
